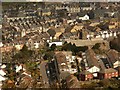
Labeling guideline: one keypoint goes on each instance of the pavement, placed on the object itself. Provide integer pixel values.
(44, 74)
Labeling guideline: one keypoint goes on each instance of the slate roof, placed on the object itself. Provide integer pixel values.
(51, 32)
(109, 70)
(113, 55)
(68, 29)
(72, 82)
(85, 72)
(61, 58)
(82, 13)
(91, 58)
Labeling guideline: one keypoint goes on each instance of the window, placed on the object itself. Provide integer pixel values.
(112, 73)
(106, 75)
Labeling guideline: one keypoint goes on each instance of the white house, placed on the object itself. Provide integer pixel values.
(18, 68)
(57, 43)
(111, 34)
(93, 69)
(88, 36)
(86, 17)
(2, 78)
(23, 33)
(115, 34)
(103, 35)
(107, 35)
(1, 44)
(36, 45)
(3, 66)
(116, 64)
(2, 73)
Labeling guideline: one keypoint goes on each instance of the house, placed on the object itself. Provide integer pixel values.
(77, 27)
(73, 7)
(86, 75)
(72, 82)
(71, 62)
(113, 57)
(1, 44)
(43, 12)
(92, 62)
(6, 48)
(85, 17)
(25, 81)
(19, 46)
(110, 14)
(35, 42)
(18, 68)
(57, 43)
(106, 70)
(93, 24)
(2, 74)
(109, 73)
(61, 61)
(112, 26)
(51, 32)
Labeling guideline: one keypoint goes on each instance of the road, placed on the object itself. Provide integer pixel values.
(43, 73)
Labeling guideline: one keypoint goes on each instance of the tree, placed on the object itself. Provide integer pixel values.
(82, 48)
(53, 47)
(96, 46)
(115, 44)
(110, 83)
(48, 55)
(91, 15)
(73, 66)
(24, 49)
(24, 54)
(67, 47)
(103, 26)
(74, 49)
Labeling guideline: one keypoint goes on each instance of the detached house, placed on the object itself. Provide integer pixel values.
(92, 67)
